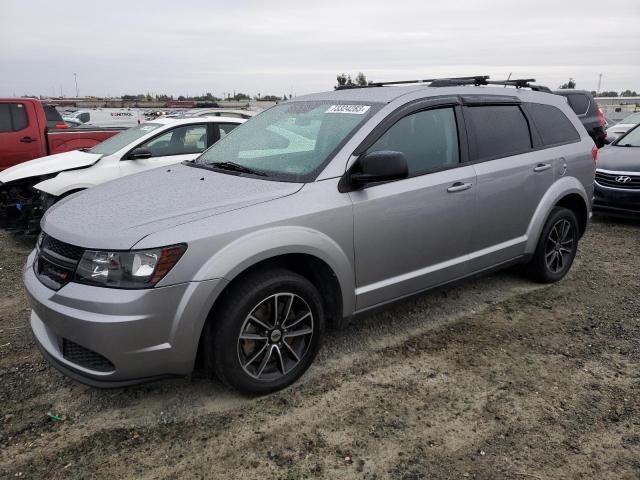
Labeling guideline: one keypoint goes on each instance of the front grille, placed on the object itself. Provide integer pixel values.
(618, 180)
(70, 252)
(56, 262)
(84, 357)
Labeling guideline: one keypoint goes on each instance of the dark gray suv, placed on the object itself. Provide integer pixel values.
(318, 209)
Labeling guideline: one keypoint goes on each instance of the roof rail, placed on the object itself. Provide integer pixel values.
(476, 80)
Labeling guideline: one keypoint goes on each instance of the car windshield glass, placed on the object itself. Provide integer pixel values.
(124, 138)
(291, 142)
(631, 139)
(634, 119)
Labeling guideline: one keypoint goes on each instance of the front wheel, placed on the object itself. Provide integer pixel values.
(266, 333)
(557, 247)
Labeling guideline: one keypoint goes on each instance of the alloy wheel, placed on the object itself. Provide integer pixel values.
(559, 246)
(275, 336)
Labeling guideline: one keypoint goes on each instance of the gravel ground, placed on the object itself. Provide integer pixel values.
(495, 378)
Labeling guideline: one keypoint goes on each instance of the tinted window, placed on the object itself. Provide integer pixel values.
(225, 128)
(554, 127)
(13, 117)
(500, 130)
(428, 139)
(579, 103)
(19, 116)
(179, 141)
(5, 118)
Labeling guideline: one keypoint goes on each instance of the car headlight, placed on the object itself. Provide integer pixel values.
(128, 269)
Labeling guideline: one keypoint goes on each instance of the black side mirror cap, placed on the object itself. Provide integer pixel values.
(139, 154)
(381, 166)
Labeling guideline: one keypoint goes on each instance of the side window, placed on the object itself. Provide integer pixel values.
(500, 130)
(178, 141)
(428, 139)
(5, 118)
(554, 127)
(225, 128)
(19, 116)
(13, 117)
(579, 103)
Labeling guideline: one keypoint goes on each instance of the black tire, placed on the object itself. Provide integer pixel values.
(226, 354)
(547, 266)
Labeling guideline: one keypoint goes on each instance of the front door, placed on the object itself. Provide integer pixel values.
(414, 233)
(19, 133)
(170, 147)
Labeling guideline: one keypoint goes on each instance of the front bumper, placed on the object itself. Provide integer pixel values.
(142, 334)
(616, 201)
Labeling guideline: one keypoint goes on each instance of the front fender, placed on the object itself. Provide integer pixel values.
(236, 257)
(561, 188)
(62, 183)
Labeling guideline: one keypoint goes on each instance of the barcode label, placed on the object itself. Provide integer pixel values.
(355, 109)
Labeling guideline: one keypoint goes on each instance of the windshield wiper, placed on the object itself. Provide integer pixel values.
(236, 167)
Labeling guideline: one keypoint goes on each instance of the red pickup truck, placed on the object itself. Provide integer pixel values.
(30, 129)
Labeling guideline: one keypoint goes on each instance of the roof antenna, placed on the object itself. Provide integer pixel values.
(508, 78)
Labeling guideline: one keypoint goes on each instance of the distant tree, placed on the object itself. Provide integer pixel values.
(241, 96)
(608, 94)
(570, 84)
(342, 79)
(629, 93)
(181, 98)
(361, 79)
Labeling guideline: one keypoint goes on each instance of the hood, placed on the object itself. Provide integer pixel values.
(118, 214)
(620, 127)
(48, 165)
(619, 159)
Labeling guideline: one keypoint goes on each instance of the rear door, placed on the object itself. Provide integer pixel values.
(20, 138)
(169, 147)
(414, 233)
(511, 180)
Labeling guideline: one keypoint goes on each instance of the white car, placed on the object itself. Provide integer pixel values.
(623, 126)
(215, 112)
(28, 189)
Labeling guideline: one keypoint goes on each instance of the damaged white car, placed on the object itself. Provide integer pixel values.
(28, 189)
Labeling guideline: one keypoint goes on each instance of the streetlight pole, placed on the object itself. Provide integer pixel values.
(75, 77)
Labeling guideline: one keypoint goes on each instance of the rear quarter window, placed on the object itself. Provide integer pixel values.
(579, 103)
(553, 125)
(500, 130)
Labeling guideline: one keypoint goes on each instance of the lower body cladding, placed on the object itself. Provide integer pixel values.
(109, 337)
(617, 201)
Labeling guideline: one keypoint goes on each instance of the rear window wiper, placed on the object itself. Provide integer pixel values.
(236, 167)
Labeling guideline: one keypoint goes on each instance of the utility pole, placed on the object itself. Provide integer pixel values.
(599, 83)
(75, 77)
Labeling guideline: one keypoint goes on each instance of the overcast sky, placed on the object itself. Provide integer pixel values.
(276, 47)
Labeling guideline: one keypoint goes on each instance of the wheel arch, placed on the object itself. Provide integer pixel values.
(566, 192)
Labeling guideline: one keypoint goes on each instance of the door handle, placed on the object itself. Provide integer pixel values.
(541, 167)
(459, 187)
(27, 139)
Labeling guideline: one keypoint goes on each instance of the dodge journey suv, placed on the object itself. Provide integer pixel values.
(316, 210)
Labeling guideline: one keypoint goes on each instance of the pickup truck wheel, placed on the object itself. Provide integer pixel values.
(266, 333)
(556, 247)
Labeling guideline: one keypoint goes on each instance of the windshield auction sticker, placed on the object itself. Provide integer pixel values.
(356, 109)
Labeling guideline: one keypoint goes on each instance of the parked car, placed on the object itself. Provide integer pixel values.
(108, 117)
(317, 210)
(28, 189)
(617, 184)
(589, 113)
(624, 125)
(30, 129)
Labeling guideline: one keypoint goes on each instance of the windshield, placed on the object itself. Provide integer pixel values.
(292, 141)
(633, 118)
(631, 139)
(113, 144)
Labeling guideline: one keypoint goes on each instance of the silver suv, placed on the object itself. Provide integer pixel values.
(316, 210)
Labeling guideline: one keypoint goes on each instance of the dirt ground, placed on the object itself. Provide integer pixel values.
(495, 378)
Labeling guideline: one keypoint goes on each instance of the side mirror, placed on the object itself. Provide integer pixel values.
(379, 167)
(139, 154)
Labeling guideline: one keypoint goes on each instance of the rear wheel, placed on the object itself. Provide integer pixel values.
(556, 247)
(266, 332)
